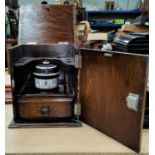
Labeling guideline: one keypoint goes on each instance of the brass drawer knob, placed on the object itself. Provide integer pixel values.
(45, 110)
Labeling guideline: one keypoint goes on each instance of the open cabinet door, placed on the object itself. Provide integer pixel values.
(108, 81)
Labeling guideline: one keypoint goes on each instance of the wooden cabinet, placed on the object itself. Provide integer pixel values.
(46, 32)
(110, 87)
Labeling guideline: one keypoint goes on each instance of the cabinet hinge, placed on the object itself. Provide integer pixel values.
(77, 109)
(78, 61)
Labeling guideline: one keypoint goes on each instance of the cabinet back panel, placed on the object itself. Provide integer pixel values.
(47, 24)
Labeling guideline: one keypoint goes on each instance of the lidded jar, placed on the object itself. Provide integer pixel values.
(46, 75)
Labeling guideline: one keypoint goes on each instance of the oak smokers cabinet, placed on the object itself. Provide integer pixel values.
(110, 87)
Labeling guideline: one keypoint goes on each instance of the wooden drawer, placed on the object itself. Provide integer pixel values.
(33, 108)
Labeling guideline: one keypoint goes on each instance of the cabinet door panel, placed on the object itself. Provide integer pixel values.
(105, 82)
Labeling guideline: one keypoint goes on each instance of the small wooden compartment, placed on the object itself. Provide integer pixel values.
(45, 108)
(33, 106)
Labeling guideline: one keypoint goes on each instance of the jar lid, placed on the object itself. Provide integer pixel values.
(46, 68)
(46, 65)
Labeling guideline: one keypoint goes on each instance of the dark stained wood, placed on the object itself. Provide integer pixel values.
(31, 107)
(47, 24)
(104, 85)
(34, 107)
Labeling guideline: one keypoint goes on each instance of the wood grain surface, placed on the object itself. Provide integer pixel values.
(106, 81)
(33, 107)
(47, 24)
(23, 65)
